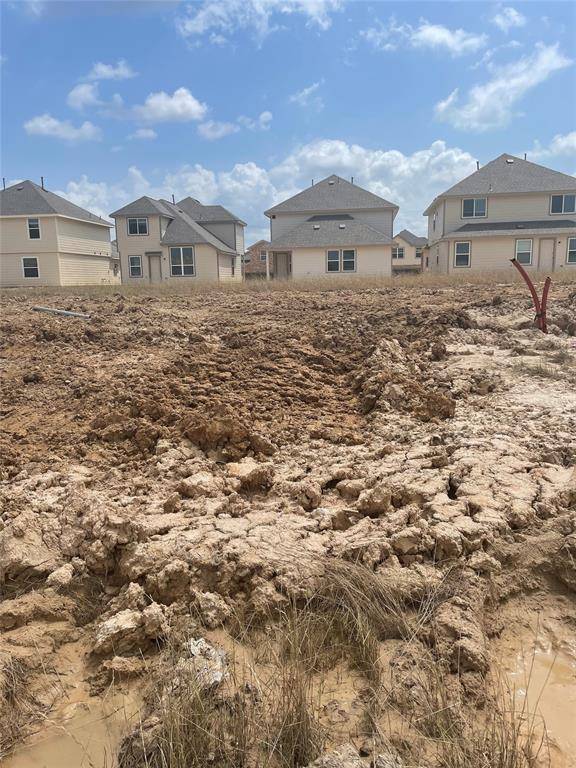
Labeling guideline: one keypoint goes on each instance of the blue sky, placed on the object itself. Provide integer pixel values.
(243, 102)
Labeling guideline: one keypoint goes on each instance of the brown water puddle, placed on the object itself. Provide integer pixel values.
(542, 678)
(83, 733)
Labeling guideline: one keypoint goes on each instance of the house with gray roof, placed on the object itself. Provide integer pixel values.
(508, 209)
(47, 240)
(408, 252)
(333, 227)
(162, 242)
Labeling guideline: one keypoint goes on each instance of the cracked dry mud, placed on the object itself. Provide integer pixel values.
(180, 461)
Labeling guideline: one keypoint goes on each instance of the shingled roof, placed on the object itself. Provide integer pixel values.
(508, 175)
(412, 239)
(208, 213)
(330, 233)
(29, 199)
(331, 194)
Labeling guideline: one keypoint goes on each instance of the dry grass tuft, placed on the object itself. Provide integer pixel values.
(16, 705)
(538, 370)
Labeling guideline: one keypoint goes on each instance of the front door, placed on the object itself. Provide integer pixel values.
(154, 268)
(546, 254)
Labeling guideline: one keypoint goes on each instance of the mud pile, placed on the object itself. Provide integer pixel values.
(177, 464)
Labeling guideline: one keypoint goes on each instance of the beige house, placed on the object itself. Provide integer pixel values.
(47, 240)
(173, 243)
(408, 252)
(332, 228)
(508, 209)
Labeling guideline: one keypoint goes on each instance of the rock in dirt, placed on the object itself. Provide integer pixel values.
(208, 664)
(345, 756)
(376, 501)
(252, 475)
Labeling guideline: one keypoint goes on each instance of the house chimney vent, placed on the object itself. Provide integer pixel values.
(524, 155)
(510, 160)
(173, 200)
(341, 226)
(331, 182)
(477, 165)
(316, 226)
(351, 179)
(42, 181)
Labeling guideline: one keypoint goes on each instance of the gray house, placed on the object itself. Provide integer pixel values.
(408, 252)
(510, 208)
(174, 243)
(332, 228)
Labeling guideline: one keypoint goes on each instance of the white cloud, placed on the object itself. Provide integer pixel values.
(83, 95)
(213, 130)
(426, 36)
(218, 18)
(34, 8)
(144, 134)
(411, 181)
(308, 97)
(162, 107)
(561, 145)
(261, 123)
(507, 18)
(119, 71)
(492, 105)
(46, 125)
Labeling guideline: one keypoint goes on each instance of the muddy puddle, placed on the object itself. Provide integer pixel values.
(83, 734)
(542, 679)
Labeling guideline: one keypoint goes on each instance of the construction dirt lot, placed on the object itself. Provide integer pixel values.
(289, 526)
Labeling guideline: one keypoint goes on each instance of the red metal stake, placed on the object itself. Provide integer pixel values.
(540, 319)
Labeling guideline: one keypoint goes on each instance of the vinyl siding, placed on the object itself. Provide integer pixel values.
(14, 235)
(382, 220)
(205, 261)
(240, 245)
(79, 269)
(12, 275)
(370, 260)
(490, 254)
(409, 259)
(436, 234)
(225, 262)
(82, 237)
(528, 207)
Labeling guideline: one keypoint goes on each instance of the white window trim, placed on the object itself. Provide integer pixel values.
(180, 248)
(519, 239)
(135, 277)
(562, 195)
(28, 219)
(262, 255)
(24, 275)
(341, 269)
(416, 249)
(469, 244)
(474, 216)
(398, 248)
(568, 249)
(137, 218)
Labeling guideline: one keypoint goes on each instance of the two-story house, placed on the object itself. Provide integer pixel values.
(255, 260)
(163, 243)
(408, 252)
(332, 228)
(47, 240)
(509, 209)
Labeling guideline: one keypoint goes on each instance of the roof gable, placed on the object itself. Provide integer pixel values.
(411, 238)
(331, 194)
(29, 199)
(508, 174)
(332, 232)
(144, 206)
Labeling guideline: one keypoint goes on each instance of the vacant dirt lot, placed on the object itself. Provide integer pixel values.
(338, 522)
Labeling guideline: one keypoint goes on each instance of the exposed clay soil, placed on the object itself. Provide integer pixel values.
(205, 455)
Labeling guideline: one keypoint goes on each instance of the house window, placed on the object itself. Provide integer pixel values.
(397, 252)
(34, 229)
(333, 261)
(419, 253)
(473, 207)
(462, 254)
(262, 255)
(341, 261)
(571, 256)
(135, 266)
(563, 204)
(182, 262)
(434, 221)
(137, 226)
(30, 266)
(348, 261)
(246, 258)
(524, 251)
